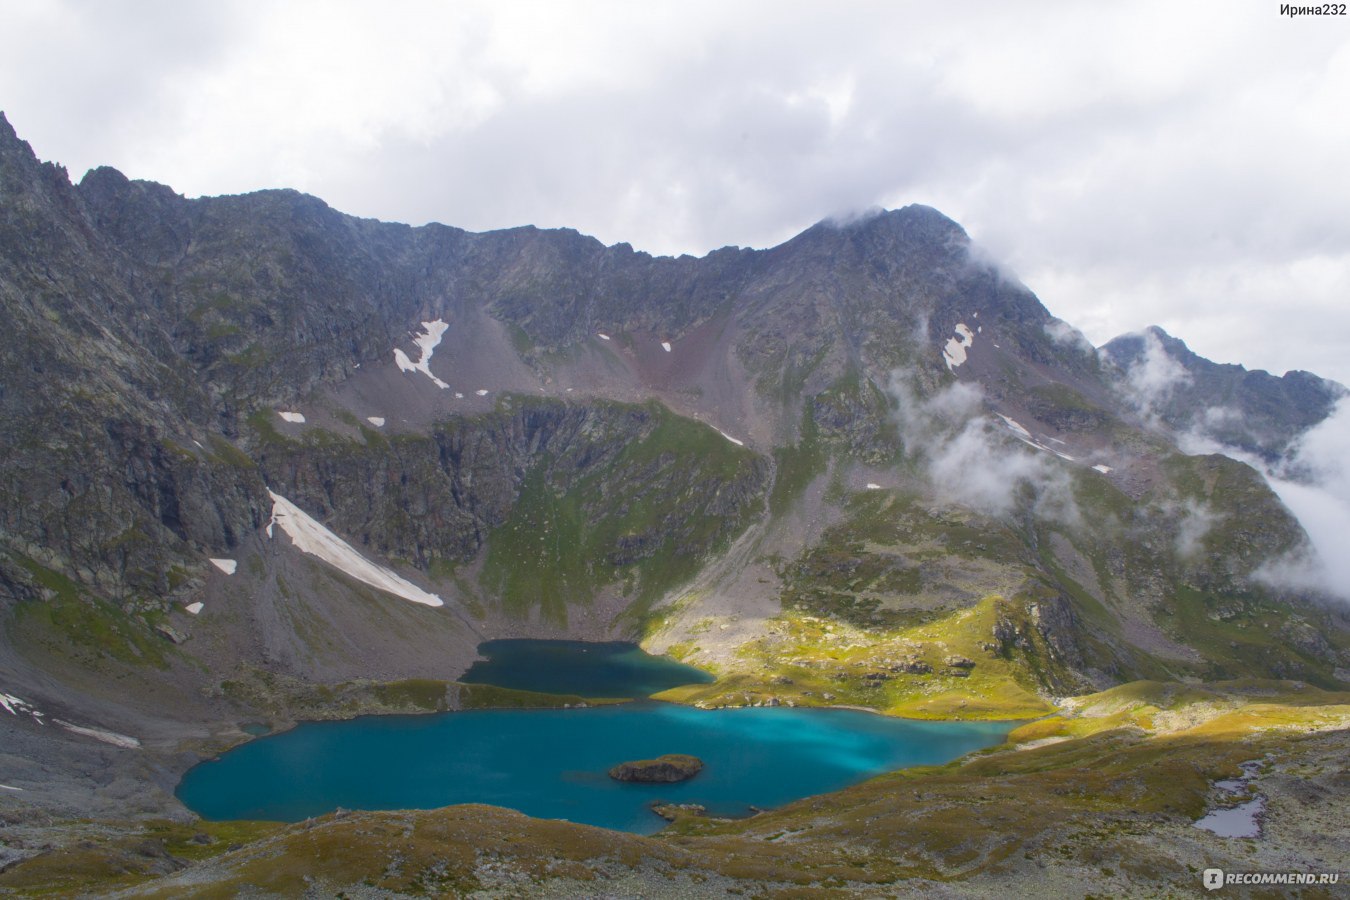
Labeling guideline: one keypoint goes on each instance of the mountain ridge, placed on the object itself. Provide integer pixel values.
(822, 470)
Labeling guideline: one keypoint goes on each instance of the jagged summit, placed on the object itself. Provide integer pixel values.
(1127, 347)
(1249, 409)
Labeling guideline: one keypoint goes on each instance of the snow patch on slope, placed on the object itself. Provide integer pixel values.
(730, 438)
(427, 341)
(1015, 427)
(228, 566)
(98, 734)
(312, 538)
(377, 421)
(665, 345)
(292, 416)
(1025, 437)
(954, 354)
(16, 706)
(194, 608)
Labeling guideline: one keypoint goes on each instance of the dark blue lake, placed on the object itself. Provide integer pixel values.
(552, 763)
(591, 669)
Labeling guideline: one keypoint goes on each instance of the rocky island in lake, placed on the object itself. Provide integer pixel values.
(665, 769)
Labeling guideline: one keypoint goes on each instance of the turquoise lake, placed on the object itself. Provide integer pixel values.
(552, 763)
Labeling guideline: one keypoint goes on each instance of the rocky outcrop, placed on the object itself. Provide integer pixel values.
(673, 812)
(604, 479)
(666, 769)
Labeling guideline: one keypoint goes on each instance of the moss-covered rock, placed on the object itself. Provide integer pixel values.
(665, 769)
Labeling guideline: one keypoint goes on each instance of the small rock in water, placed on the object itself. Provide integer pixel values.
(663, 770)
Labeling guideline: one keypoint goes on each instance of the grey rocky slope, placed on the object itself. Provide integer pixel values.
(557, 469)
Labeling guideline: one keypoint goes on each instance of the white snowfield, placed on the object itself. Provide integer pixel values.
(730, 438)
(17, 705)
(1025, 437)
(665, 345)
(954, 354)
(194, 608)
(377, 421)
(98, 734)
(482, 392)
(602, 336)
(1015, 427)
(873, 486)
(292, 416)
(228, 566)
(312, 538)
(426, 342)
(1105, 470)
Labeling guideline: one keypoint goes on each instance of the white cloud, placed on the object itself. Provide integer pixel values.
(1152, 377)
(971, 461)
(1063, 333)
(1320, 498)
(1194, 521)
(1326, 519)
(1313, 482)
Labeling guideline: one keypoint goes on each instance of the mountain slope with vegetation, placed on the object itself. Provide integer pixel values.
(866, 467)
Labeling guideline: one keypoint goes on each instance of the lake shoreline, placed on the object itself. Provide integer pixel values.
(552, 763)
(540, 752)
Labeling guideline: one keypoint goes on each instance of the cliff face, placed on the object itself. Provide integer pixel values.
(564, 500)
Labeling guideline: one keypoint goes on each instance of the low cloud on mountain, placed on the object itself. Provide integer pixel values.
(971, 460)
(1195, 520)
(1314, 482)
(1152, 377)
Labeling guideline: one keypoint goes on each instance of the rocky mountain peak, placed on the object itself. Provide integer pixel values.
(1252, 410)
(11, 145)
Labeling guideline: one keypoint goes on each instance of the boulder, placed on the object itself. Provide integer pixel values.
(663, 770)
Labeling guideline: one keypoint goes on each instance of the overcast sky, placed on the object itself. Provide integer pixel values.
(1179, 163)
